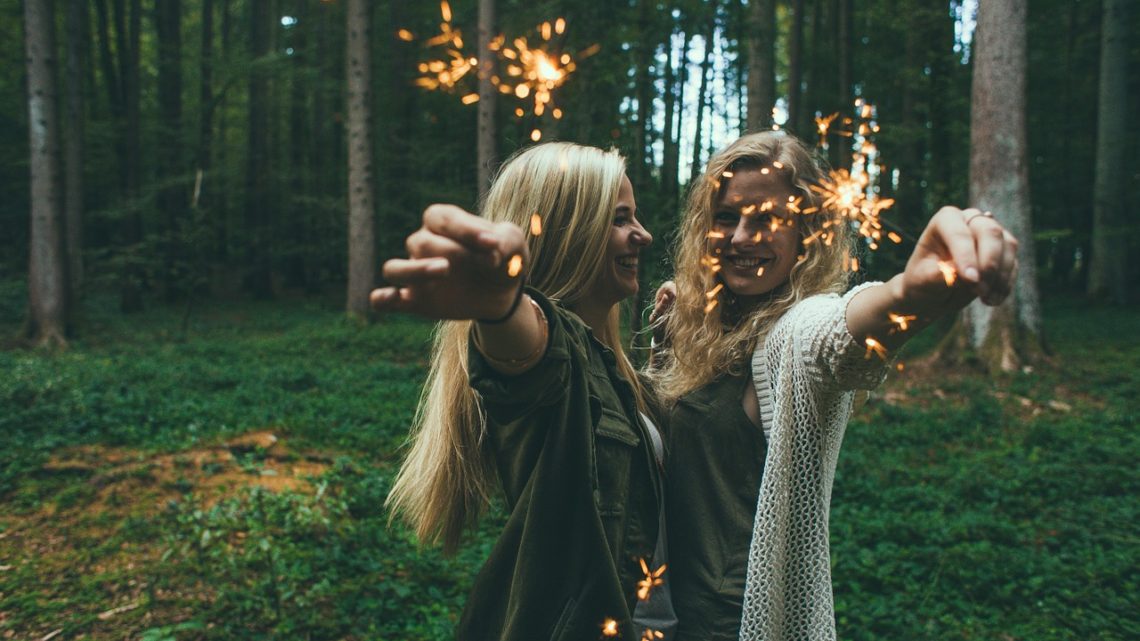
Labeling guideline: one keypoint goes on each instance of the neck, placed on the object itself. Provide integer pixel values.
(597, 317)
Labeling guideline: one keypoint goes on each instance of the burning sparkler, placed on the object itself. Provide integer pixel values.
(532, 72)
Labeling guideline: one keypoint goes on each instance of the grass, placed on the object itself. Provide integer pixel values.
(224, 479)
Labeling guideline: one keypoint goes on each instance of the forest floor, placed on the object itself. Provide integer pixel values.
(221, 475)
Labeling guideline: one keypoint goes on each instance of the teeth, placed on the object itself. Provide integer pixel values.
(627, 262)
(747, 263)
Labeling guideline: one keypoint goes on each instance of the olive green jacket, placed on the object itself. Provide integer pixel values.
(581, 490)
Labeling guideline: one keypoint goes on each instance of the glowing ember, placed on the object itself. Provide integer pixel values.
(405, 35)
(760, 272)
(536, 224)
(714, 291)
(536, 135)
(470, 99)
(875, 347)
(728, 174)
(514, 266)
(822, 124)
(650, 635)
(651, 580)
(900, 320)
(899, 366)
(711, 305)
(609, 628)
(949, 274)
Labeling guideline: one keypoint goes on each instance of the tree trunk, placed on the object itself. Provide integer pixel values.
(47, 267)
(205, 106)
(703, 92)
(1007, 337)
(361, 233)
(674, 111)
(844, 48)
(128, 22)
(73, 177)
(644, 93)
(795, 70)
(258, 200)
(1107, 264)
(488, 96)
(761, 63)
(171, 196)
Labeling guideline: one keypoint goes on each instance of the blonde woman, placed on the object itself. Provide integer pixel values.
(763, 349)
(530, 396)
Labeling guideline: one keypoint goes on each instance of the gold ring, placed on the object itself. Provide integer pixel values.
(985, 214)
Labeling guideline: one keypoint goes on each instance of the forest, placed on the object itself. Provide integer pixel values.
(200, 416)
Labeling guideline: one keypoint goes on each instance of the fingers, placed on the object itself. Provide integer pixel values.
(465, 228)
(666, 294)
(390, 299)
(958, 239)
(405, 272)
(991, 248)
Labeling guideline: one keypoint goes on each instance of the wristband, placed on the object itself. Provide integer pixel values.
(510, 312)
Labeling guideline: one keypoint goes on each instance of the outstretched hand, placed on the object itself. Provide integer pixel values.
(662, 303)
(962, 254)
(459, 266)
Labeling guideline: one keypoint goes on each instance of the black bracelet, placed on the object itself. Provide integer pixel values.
(510, 312)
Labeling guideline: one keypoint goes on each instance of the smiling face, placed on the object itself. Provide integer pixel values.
(753, 233)
(618, 277)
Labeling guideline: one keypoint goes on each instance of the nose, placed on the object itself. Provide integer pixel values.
(745, 234)
(640, 236)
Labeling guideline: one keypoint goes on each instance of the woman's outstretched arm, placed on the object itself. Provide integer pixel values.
(961, 255)
(464, 267)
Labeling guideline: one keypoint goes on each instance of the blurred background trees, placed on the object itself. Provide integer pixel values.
(205, 144)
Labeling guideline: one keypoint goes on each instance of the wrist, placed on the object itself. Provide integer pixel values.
(512, 307)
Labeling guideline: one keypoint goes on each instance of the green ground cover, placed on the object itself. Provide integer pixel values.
(223, 478)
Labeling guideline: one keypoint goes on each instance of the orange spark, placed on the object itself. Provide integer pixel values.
(760, 272)
(711, 305)
(405, 35)
(715, 234)
(536, 135)
(901, 320)
(650, 635)
(445, 10)
(514, 266)
(609, 628)
(536, 224)
(948, 272)
(874, 346)
(895, 237)
(714, 291)
(470, 99)
(651, 580)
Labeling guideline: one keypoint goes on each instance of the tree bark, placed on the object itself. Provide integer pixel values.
(761, 63)
(47, 267)
(644, 94)
(795, 70)
(172, 194)
(1107, 264)
(258, 200)
(488, 96)
(73, 176)
(361, 231)
(703, 91)
(1007, 337)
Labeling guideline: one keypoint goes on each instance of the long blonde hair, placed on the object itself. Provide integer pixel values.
(448, 477)
(704, 345)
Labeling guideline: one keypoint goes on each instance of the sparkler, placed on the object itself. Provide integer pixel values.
(531, 72)
(514, 266)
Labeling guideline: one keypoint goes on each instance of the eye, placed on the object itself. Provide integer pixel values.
(621, 220)
(725, 218)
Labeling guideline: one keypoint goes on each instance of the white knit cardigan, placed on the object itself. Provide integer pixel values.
(806, 372)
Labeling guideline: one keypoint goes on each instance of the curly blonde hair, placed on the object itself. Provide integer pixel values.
(704, 345)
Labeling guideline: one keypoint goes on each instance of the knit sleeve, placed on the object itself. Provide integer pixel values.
(831, 356)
